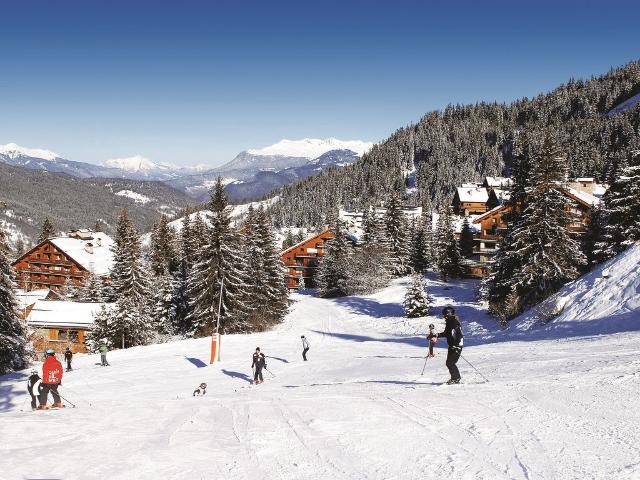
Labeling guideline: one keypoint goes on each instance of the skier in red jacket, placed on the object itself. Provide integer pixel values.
(51, 378)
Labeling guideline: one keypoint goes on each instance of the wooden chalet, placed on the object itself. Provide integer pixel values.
(59, 324)
(493, 225)
(62, 260)
(302, 259)
(470, 199)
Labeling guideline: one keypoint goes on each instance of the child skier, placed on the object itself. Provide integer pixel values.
(34, 387)
(103, 354)
(51, 379)
(68, 355)
(259, 362)
(201, 390)
(432, 338)
(305, 347)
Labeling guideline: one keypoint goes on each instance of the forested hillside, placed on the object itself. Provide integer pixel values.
(467, 142)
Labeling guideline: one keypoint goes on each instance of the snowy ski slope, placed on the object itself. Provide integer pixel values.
(553, 409)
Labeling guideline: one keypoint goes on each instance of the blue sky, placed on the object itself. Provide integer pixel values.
(199, 81)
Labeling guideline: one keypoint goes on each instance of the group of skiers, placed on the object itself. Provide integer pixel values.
(52, 372)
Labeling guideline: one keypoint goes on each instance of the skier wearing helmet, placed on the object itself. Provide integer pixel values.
(33, 387)
(51, 379)
(453, 334)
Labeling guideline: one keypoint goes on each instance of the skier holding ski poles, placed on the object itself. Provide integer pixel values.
(51, 380)
(259, 362)
(453, 334)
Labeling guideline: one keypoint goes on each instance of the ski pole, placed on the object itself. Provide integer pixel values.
(425, 364)
(25, 401)
(269, 372)
(477, 371)
(72, 404)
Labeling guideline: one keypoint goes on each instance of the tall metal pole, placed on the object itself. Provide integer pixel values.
(219, 305)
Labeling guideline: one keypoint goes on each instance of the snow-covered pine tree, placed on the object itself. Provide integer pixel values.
(221, 265)
(200, 233)
(397, 231)
(92, 291)
(543, 251)
(276, 292)
(417, 302)
(301, 285)
(163, 251)
(46, 231)
(449, 258)
(14, 348)
(334, 273)
(123, 325)
(371, 264)
(70, 291)
(129, 276)
(165, 304)
(620, 213)
(420, 247)
(466, 238)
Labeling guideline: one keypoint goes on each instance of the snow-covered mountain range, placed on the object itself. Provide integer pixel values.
(255, 172)
(251, 174)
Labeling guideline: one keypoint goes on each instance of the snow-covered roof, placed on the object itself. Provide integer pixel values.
(93, 253)
(502, 195)
(456, 221)
(472, 194)
(29, 297)
(62, 314)
(584, 197)
(479, 218)
(585, 179)
(498, 182)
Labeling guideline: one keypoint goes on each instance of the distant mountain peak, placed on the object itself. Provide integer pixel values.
(136, 163)
(13, 150)
(311, 147)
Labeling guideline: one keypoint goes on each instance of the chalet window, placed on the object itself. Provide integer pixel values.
(37, 255)
(68, 336)
(57, 268)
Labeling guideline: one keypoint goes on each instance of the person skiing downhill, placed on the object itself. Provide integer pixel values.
(51, 379)
(453, 333)
(259, 362)
(305, 347)
(68, 355)
(34, 387)
(432, 338)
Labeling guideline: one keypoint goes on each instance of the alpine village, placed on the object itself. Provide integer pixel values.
(505, 213)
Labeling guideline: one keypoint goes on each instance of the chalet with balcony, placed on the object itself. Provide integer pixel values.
(61, 261)
(302, 259)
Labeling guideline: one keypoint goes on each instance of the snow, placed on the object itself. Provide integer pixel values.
(604, 300)
(472, 194)
(135, 163)
(584, 196)
(626, 105)
(95, 255)
(499, 181)
(136, 197)
(239, 211)
(555, 408)
(30, 297)
(312, 147)
(13, 150)
(55, 313)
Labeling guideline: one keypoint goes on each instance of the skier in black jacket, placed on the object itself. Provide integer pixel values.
(68, 355)
(453, 334)
(259, 362)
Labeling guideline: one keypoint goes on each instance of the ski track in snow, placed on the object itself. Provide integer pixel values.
(554, 408)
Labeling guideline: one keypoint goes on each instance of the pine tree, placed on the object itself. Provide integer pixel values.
(620, 215)
(220, 268)
(129, 277)
(125, 324)
(542, 256)
(301, 285)
(47, 230)
(397, 231)
(14, 348)
(165, 304)
(92, 289)
(448, 257)
(420, 247)
(466, 239)
(20, 248)
(333, 276)
(163, 253)
(417, 302)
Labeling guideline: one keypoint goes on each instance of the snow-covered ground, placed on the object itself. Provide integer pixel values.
(554, 408)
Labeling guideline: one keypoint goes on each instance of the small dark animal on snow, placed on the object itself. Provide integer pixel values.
(201, 390)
